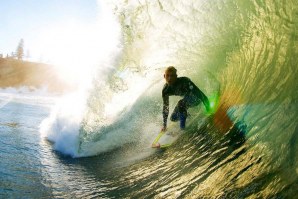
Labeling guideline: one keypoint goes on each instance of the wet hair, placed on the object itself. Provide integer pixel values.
(171, 69)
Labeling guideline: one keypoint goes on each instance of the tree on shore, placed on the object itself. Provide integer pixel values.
(20, 50)
(12, 55)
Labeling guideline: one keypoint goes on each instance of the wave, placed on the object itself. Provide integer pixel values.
(243, 53)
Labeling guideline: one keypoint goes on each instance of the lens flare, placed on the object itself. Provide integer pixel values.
(213, 103)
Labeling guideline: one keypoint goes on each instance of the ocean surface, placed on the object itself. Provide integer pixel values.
(96, 142)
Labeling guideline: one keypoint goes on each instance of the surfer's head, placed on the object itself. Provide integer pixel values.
(170, 75)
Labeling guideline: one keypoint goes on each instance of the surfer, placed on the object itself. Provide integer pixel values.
(184, 87)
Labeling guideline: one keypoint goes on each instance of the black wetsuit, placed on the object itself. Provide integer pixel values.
(192, 96)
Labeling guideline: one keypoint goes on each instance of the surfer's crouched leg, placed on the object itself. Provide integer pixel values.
(175, 115)
(180, 113)
(182, 121)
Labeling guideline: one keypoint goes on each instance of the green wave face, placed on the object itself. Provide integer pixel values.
(243, 55)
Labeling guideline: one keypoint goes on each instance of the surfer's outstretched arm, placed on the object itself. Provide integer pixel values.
(165, 111)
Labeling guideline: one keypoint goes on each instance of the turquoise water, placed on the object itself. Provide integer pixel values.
(243, 53)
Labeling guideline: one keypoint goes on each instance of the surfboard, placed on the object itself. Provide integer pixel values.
(166, 138)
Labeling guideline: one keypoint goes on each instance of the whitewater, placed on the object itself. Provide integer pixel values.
(95, 142)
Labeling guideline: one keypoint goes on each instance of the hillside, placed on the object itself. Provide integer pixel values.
(17, 73)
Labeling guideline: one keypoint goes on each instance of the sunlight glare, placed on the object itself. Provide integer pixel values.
(76, 49)
(72, 49)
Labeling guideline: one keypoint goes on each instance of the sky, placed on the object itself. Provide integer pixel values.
(28, 19)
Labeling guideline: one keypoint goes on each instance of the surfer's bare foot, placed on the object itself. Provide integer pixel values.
(157, 145)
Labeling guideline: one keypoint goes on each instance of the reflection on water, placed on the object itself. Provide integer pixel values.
(204, 162)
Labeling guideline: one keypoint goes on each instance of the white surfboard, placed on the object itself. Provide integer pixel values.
(166, 138)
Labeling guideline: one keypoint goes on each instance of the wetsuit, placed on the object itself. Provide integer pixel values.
(192, 96)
